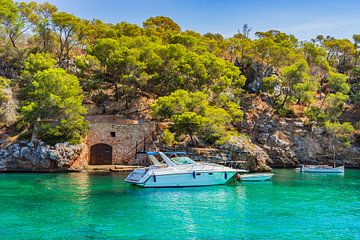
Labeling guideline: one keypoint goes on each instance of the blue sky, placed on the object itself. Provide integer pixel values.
(304, 18)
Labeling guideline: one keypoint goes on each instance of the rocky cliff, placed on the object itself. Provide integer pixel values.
(39, 157)
(290, 141)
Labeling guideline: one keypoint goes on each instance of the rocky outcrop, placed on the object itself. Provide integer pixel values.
(289, 141)
(38, 156)
(244, 150)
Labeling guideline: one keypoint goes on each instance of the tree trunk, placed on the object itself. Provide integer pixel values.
(116, 92)
(323, 101)
(35, 130)
(192, 139)
(126, 102)
(12, 41)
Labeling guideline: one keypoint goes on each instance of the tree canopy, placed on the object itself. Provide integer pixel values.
(55, 61)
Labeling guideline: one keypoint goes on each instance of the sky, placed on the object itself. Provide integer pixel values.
(304, 18)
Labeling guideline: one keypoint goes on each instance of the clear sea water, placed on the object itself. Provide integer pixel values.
(102, 206)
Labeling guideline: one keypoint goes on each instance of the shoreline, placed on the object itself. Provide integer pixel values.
(112, 171)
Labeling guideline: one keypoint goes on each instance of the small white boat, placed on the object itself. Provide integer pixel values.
(255, 177)
(320, 169)
(179, 172)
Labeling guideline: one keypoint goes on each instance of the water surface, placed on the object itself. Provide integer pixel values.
(102, 206)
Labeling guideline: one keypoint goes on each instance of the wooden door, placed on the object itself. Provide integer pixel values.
(101, 154)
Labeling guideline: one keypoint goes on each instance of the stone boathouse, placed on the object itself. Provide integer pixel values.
(114, 140)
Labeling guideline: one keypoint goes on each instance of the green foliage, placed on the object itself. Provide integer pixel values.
(315, 115)
(188, 123)
(275, 49)
(69, 29)
(296, 73)
(200, 78)
(37, 62)
(12, 22)
(87, 65)
(269, 84)
(215, 124)
(341, 131)
(179, 102)
(295, 82)
(128, 29)
(55, 108)
(103, 47)
(233, 109)
(285, 111)
(338, 82)
(316, 58)
(339, 52)
(335, 105)
(4, 83)
(305, 92)
(161, 26)
(192, 114)
(168, 138)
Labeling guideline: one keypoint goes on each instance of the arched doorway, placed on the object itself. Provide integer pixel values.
(101, 154)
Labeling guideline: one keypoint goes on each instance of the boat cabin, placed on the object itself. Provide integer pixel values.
(166, 159)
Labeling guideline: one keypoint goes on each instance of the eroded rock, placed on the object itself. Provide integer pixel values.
(37, 156)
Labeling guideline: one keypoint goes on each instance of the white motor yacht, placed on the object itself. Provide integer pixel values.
(179, 171)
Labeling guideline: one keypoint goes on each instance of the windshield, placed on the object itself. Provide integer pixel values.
(182, 160)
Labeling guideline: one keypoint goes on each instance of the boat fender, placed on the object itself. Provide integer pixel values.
(238, 176)
(154, 177)
(194, 174)
(225, 175)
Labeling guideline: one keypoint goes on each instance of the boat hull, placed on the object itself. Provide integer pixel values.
(321, 169)
(187, 179)
(256, 177)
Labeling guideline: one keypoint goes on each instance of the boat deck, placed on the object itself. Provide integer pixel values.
(111, 168)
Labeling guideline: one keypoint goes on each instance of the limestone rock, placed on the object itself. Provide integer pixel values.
(37, 156)
(4, 153)
(25, 152)
(16, 154)
(255, 156)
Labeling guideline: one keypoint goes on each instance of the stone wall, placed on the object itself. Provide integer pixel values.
(126, 133)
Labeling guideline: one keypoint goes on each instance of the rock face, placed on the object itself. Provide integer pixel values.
(244, 150)
(37, 156)
(289, 142)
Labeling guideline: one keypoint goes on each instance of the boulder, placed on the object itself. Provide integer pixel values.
(14, 148)
(16, 154)
(37, 156)
(4, 153)
(25, 152)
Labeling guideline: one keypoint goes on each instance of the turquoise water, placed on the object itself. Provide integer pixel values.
(93, 206)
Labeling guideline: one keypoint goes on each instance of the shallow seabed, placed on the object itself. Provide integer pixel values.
(102, 206)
